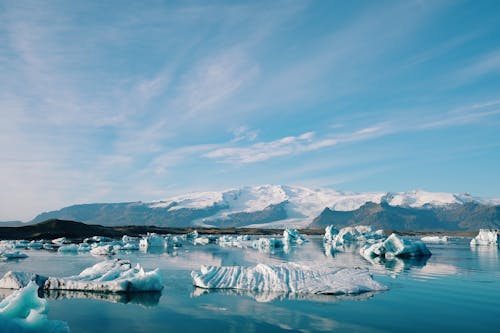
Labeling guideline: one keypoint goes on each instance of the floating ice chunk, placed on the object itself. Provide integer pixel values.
(103, 250)
(486, 237)
(68, 248)
(395, 246)
(291, 236)
(201, 241)
(330, 233)
(192, 235)
(130, 247)
(434, 239)
(359, 234)
(152, 240)
(60, 241)
(288, 278)
(130, 240)
(18, 280)
(97, 239)
(267, 243)
(24, 311)
(110, 276)
(35, 245)
(13, 255)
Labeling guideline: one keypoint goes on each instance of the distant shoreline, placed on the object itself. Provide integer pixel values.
(52, 229)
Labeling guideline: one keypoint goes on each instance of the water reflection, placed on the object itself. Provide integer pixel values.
(147, 299)
(270, 296)
(487, 256)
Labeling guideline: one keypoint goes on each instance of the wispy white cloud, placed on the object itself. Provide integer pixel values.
(485, 64)
(290, 145)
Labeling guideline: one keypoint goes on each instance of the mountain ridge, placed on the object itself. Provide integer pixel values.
(268, 206)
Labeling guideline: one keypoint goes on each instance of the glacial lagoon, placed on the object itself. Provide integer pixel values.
(456, 289)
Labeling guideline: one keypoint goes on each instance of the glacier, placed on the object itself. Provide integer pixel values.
(286, 278)
(23, 311)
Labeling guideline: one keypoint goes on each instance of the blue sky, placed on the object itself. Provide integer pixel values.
(109, 101)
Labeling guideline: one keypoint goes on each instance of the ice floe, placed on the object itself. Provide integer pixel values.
(486, 237)
(152, 240)
(110, 276)
(24, 311)
(12, 255)
(434, 239)
(395, 246)
(288, 278)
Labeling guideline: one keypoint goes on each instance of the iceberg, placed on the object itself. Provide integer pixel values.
(152, 240)
(103, 250)
(13, 255)
(109, 276)
(359, 234)
(267, 243)
(18, 280)
(486, 237)
(291, 236)
(434, 239)
(395, 246)
(286, 278)
(23, 311)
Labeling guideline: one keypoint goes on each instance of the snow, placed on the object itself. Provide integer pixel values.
(395, 246)
(303, 204)
(486, 237)
(110, 276)
(288, 277)
(434, 239)
(24, 311)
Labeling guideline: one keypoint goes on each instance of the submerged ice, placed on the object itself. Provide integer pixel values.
(287, 278)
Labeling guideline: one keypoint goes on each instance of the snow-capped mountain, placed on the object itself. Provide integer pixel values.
(259, 206)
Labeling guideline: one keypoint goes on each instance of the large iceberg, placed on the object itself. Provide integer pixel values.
(395, 246)
(286, 278)
(23, 311)
(110, 276)
(358, 234)
(486, 237)
(18, 280)
(291, 236)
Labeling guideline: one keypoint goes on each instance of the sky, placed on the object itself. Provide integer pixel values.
(111, 101)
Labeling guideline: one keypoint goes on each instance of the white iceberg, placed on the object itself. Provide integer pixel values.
(486, 237)
(110, 276)
(23, 311)
(287, 278)
(61, 241)
(354, 234)
(103, 250)
(291, 236)
(201, 240)
(434, 239)
(18, 280)
(395, 246)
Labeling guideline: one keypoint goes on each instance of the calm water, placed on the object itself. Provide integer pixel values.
(457, 289)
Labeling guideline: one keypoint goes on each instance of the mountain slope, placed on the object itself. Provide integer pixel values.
(279, 206)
